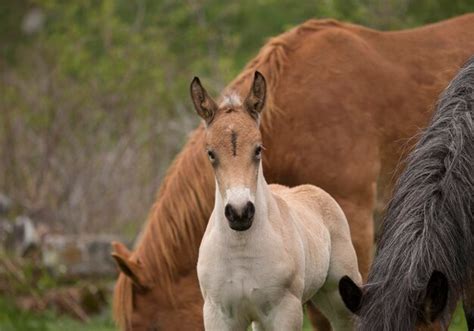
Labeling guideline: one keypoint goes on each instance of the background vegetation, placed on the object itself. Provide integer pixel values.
(94, 94)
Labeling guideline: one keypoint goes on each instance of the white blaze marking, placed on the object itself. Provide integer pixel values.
(238, 196)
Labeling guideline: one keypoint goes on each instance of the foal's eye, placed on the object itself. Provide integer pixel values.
(258, 152)
(211, 155)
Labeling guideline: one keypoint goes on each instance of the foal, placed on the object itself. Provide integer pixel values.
(267, 249)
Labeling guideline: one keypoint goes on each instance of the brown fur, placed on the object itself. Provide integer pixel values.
(343, 103)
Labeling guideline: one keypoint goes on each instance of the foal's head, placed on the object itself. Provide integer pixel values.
(234, 147)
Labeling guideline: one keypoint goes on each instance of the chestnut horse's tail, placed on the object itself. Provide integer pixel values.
(429, 223)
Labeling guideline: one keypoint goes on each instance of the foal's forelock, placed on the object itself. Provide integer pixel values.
(231, 100)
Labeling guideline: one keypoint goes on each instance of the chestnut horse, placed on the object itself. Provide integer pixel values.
(425, 254)
(343, 102)
(267, 249)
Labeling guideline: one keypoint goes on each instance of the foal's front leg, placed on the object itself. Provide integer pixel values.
(287, 316)
(216, 320)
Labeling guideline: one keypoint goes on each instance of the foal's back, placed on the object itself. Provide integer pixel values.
(316, 215)
(328, 250)
(314, 205)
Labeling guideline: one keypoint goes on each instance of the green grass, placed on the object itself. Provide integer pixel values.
(12, 319)
(458, 322)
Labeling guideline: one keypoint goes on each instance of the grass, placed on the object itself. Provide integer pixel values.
(12, 319)
(458, 323)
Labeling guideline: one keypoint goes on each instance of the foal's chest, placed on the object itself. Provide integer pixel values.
(246, 282)
(251, 297)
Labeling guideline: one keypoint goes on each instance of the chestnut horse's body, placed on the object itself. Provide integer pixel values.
(349, 99)
(425, 251)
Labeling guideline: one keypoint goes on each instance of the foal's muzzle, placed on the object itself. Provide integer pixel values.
(240, 219)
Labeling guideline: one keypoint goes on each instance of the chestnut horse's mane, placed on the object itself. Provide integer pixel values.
(179, 215)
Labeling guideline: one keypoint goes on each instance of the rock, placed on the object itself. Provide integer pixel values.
(33, 21)
(6, 230)
(77, 256)
(5, 204)
(20, 237)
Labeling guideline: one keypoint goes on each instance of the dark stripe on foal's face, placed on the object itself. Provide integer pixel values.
(233, 139)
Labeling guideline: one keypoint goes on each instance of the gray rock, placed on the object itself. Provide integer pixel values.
(20, 237)
(33, 21)
(73, 255)
(6, 230)
(25, 229)
(5, 204)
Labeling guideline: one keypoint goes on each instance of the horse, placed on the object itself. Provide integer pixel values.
(425, 254)
(267, 249)
(343, 103)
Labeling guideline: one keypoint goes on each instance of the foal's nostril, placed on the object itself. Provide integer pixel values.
(249, 211)
(230, 213)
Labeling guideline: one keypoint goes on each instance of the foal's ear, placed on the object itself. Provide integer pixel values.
(134, 270)
(256, 98)
(436, 296)
(351, 294)
(205, 106)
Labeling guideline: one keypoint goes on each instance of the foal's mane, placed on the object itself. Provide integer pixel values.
(179, 216)
(428, 225)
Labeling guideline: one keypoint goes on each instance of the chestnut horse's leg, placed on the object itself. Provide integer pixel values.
(317, 319)
(359, 212)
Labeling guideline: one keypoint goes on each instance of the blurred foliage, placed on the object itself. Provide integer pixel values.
(27, 276)
(94, 94)
(32, 298)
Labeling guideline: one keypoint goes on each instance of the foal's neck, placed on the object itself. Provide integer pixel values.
(264, 200)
